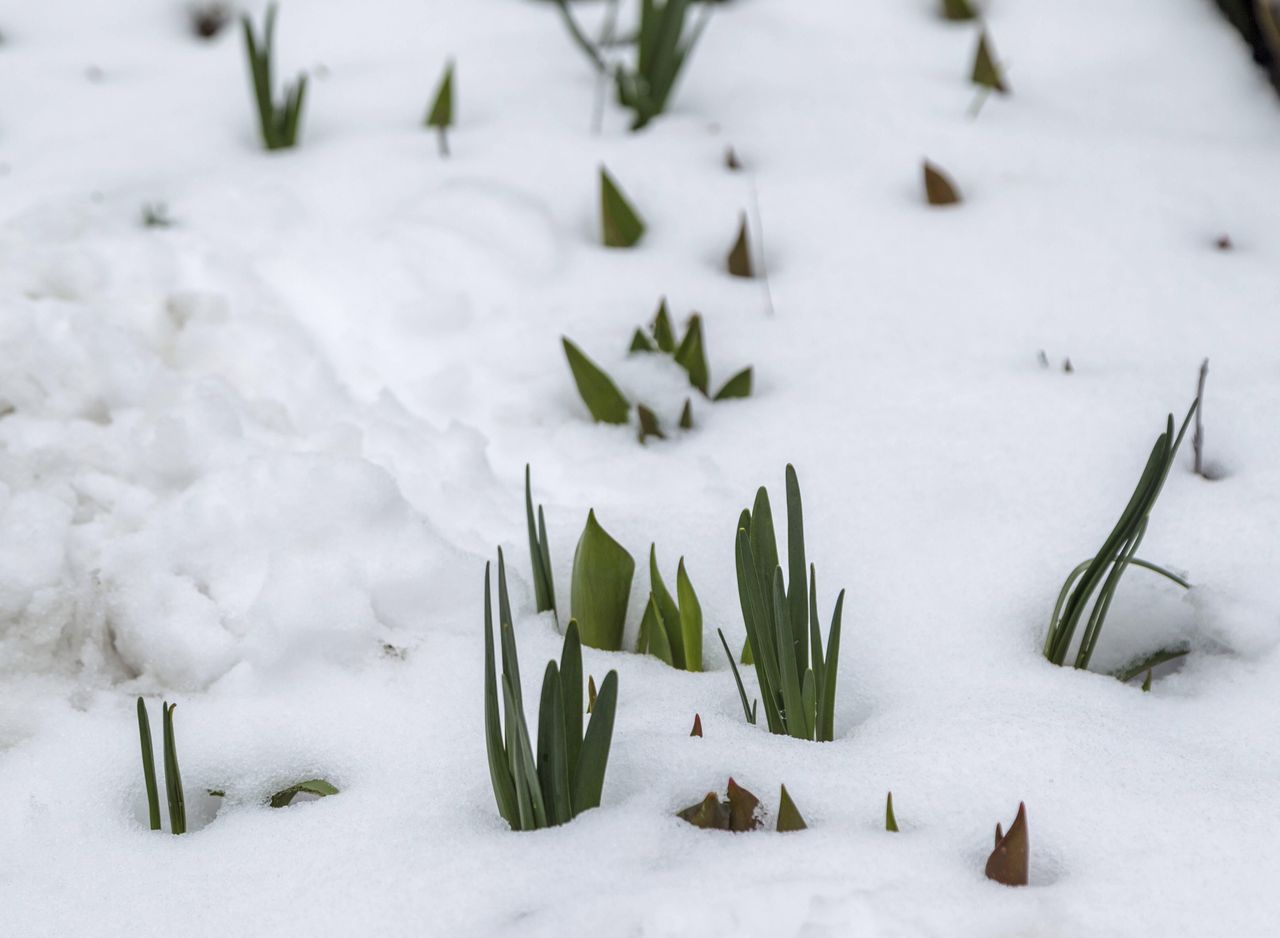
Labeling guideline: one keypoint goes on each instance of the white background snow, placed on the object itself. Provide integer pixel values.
(241, 455)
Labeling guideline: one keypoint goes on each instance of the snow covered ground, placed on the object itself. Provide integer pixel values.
(255, 462)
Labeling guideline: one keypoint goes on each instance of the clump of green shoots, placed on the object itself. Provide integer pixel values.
(1010, 861)
(552, 780)
(738, 811)
(440, 114)
(663, 43)
(278, 123)
(784, 641)
(690, 354)
(544, 587)
(172, 777)
(607, 404)
(1101, 574)
(672, 626)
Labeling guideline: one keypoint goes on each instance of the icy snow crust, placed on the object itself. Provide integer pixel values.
(255, 463)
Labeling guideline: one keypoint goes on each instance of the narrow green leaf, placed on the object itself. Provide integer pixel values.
(641, 343)
(148, 766)
(686, 415)
(599, 393)
(663, 334)
(440, 114)
(620, 224)
(172, 777)
(792, 699)
(539, 551)
(312, 786)
(692, 355)
(797, 595)
(668, 612)
(648, 424)
(736, 387)
(986, 72)
(499, 767)
(890, 822)
(553, 757)
(659, 645)
(827, 689)
(589, 780)
(747, 711)
(601, 588)
(690, 620)
(739, 260)
(591, 693)
(789, 818)
(571, 691)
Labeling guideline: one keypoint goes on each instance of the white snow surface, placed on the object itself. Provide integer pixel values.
(254, 463)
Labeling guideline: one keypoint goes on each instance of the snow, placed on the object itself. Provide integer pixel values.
(254, 463)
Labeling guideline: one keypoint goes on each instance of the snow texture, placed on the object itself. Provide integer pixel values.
(254, 463)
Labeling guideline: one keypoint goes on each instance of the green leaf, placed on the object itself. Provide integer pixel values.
(663, 333)
(690, 620)
(553, 757)
(591, 693)
(692, 355)
(986, 72)
(620, 224)
(599, 393)
(827, 688)
(797, 596)
(148, 766)
(440, 114)
(649, 425)
(686, 415)
(533, 811)
(312, 786)
(571, 692)
(938, 187)
(742, 691)
(641, 343)
(789, 818)
(539, 551)
(739, 259)
(172, 777)
(737, 386)
(500, 774)
(792, 699)
(601, 588)
(655, 633)
(589, 780)
(890, 822)
(668, 614)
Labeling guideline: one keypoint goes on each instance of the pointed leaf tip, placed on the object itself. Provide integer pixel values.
(739, 260)
(602, 397)
(697, 726)
(789, 818)
(1009, 862)
(621, 225)
(938, 187)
